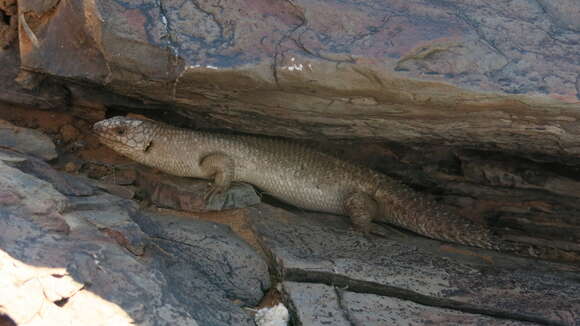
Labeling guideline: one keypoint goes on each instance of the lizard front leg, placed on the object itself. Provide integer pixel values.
(362, 209)
(221, 168)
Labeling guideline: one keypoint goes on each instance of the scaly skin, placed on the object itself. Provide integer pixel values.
(293, 173)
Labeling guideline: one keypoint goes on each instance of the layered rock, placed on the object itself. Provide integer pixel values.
(493, 75)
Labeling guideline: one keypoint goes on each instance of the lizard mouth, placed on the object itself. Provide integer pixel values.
(122, 135)
(103, 132)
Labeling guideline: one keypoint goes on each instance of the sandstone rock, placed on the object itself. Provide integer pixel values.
(210, 249)
(69, 133)
(317, 248)
(318, 304)
(47, 96)
(65, 183)
(84, 268)
(29, 193)
(121, 177)
(501, 76)
(96, 271)
(188, 193)
(27, 141)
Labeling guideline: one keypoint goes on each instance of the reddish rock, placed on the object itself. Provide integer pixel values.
(69, 133)
(498, 75)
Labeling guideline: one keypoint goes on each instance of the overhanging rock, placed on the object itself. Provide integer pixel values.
(499, 75)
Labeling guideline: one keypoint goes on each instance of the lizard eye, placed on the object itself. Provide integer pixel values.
(120, 131)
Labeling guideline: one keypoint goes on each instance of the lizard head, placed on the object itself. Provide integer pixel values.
(125, 135)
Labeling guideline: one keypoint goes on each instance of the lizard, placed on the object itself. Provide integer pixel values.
(295, 174)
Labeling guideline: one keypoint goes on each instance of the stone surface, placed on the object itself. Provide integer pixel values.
(68, 256)
(28, 141)
(45, 96)
(64, 183)
(498, 75)
(212, 250)
(320, 249)
(319, 304)
(188, 194)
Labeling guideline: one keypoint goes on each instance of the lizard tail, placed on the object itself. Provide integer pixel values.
(404, 207)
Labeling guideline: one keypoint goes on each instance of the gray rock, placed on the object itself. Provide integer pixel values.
(188, 193)
(27, 141)
(82, 259)
(65, 183)
(28, 193)
(78, 271)
(319, 304)
(320, 248)
(213, 250)
(48, 96)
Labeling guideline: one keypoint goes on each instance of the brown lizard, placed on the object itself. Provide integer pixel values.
(294, 174)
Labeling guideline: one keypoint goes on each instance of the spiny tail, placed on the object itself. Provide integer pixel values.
(410, 210)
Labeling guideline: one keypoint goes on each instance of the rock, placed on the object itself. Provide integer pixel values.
(493, 75)
(77, 271)
(47, 96)
(27, 141)
(127, 192)
(29, 193)
(121, 177)
(69, 133)
(8, 23)
(226, 261)
(71, 167)
(318, 304)
(112, 216)
(65, 183)
(93, 268)
(317, 248)
(188, 194)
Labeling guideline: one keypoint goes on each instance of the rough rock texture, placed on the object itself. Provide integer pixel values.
(30, 141)
(40, 95)
(498, 75)
(70, 253)
(209, 249)
(318, 248)
(188, 193)
(319, 304)
(474, 103)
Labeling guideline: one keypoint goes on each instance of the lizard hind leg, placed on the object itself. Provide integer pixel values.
(221, 167)
(362, 209)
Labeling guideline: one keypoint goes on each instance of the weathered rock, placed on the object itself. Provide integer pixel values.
(512, 195)
(477, 73)
(81, 259)
(319, 248)
(319, 304)
(78, 271)
(121, 177)
(8, 23)
(46, 96)
(28, 193)
(127, 192)
(212, 250)
(65, 183)
(26, 140)
(188, 194)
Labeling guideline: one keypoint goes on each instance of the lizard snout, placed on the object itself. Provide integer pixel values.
(99, 127)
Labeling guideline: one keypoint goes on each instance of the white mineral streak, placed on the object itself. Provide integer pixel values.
(272, 316)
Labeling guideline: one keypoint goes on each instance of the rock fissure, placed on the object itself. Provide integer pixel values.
(359, 286)
(341, 304)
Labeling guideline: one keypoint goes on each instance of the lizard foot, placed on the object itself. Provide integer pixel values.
(214, 190)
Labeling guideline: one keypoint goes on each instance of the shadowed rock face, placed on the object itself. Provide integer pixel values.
(499, 75)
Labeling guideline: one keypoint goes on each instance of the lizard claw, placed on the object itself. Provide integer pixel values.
(213, 191)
